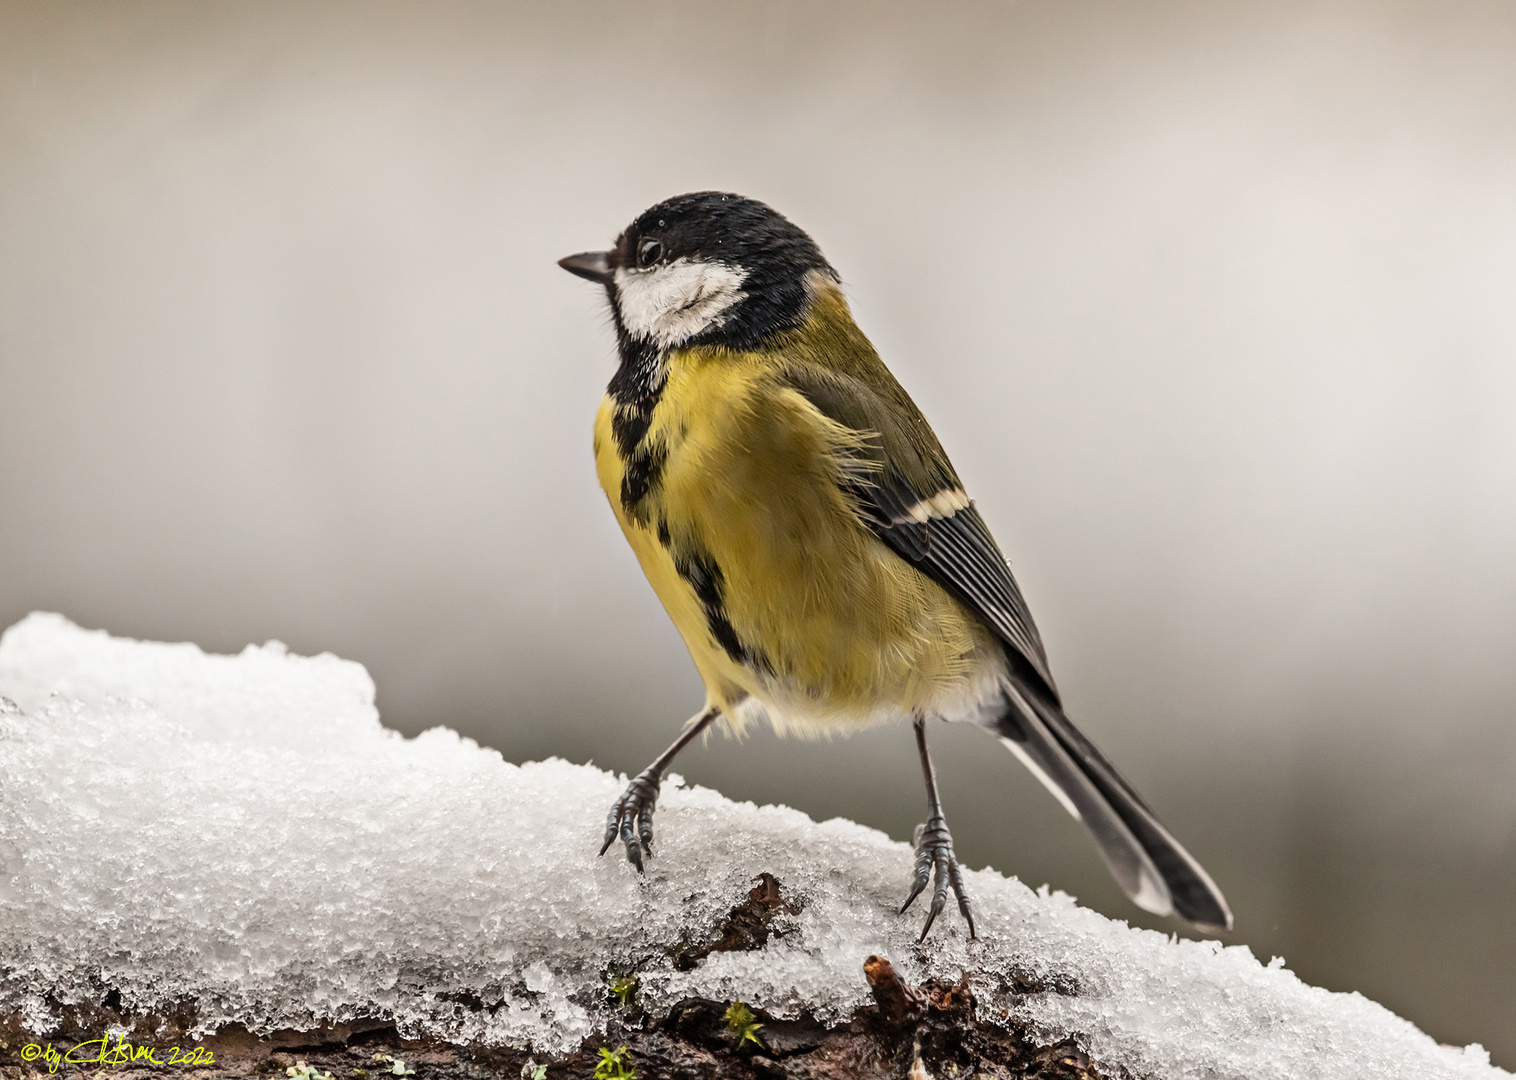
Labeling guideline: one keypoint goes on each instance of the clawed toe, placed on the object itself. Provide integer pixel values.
(631, 818)
(935, 858)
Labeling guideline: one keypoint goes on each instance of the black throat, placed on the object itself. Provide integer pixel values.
(635, 389)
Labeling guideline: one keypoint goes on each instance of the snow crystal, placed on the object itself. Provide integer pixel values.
(243, 833)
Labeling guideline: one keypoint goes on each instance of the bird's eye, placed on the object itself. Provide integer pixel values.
(649, 252)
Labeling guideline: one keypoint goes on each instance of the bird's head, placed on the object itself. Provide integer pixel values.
(707, 268)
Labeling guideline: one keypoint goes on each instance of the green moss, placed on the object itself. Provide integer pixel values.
(743, 1024)
(301, 1071)
(615, 1064)
(624, 987)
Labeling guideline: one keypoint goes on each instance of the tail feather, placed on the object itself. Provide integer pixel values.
(1148, 863)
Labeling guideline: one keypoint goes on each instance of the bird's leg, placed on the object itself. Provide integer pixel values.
(934, 848)
(632, 816)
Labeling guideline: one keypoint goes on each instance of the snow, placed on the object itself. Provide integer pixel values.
(242, 832)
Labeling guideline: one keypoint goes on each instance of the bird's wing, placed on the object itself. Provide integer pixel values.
(906, 492)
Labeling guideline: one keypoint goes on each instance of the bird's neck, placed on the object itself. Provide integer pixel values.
(824, 335)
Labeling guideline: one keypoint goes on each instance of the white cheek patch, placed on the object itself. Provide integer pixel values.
(670, 304)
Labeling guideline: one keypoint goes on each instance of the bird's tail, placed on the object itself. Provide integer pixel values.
(1149, 864)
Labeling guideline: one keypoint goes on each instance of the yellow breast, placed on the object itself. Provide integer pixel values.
(781, 594)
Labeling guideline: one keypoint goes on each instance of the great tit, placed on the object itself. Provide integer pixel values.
(811, 541)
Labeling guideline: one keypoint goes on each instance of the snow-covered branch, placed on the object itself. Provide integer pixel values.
(241, 833)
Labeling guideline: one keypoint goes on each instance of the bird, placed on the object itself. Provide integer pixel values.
(814, 546)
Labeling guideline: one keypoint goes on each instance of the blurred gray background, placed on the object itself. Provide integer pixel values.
(1213, 304)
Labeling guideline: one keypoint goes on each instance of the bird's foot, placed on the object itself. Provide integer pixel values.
(631, 817)
(934, 854)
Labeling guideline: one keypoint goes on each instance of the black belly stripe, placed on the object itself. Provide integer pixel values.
(705, 577)
(643, 472)
(629, 425)
(636, 389)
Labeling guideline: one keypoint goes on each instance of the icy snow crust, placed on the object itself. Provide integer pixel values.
(242, 832)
